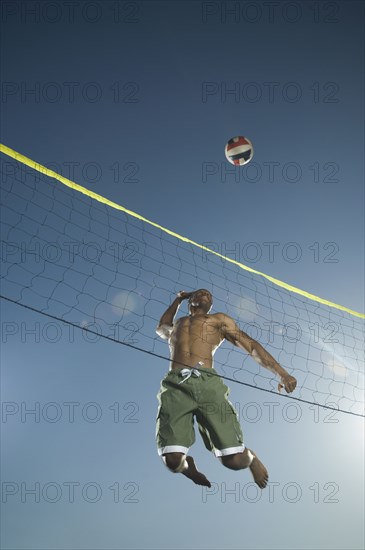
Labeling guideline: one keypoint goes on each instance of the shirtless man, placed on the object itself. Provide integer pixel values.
(192, 387)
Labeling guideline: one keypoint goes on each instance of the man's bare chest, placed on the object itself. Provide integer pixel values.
(204, 328)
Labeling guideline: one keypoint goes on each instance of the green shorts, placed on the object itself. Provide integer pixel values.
(188, 393)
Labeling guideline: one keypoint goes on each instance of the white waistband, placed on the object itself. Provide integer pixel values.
(186, 373)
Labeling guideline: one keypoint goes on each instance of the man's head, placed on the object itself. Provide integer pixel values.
(201, 300)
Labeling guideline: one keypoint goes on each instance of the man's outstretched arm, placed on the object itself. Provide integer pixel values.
(166, 323)
(233, 334)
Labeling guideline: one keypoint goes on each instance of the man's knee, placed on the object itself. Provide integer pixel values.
(233, 462)
(174, 461)
(237, 461)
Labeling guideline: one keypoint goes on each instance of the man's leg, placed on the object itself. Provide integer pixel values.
(179, 463)
(247, 459)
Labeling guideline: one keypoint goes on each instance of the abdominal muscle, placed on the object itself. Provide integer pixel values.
(194, 340)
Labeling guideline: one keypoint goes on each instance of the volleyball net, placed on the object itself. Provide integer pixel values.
(73, 255)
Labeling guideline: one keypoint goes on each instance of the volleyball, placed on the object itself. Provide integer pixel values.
(239, 150)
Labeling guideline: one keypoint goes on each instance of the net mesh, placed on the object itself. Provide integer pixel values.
(68, 255)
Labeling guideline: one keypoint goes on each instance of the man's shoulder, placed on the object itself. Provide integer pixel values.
(181, 320)
(221, 318)
(221, 315)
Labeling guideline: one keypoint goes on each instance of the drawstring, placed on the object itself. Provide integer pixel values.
(188, 372)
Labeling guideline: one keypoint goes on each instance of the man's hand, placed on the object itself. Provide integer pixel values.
(184, 295)
(288, 382)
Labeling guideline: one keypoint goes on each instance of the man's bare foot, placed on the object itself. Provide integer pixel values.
(259, 472)
(193, 474)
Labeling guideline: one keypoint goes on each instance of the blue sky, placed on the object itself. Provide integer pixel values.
(137, 105)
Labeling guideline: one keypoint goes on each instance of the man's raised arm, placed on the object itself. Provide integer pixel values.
(233, 334)
(166, 323)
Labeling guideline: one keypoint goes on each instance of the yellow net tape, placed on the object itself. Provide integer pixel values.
(43, 170)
